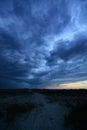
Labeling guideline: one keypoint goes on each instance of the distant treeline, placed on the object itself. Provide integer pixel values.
(50, 92)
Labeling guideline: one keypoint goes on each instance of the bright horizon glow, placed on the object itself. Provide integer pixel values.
(75, 85)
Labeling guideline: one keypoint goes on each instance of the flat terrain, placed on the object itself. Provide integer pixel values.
(43, 109)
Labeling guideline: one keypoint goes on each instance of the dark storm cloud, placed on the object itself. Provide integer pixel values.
(42, 42)
(76, 48)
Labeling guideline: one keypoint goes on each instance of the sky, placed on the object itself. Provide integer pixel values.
(43, 44)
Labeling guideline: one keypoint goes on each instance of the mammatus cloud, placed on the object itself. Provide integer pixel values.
(42, 42)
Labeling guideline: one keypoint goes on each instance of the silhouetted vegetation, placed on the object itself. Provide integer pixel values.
(77, 118)
(75, 101)
(15, 92)
(18, 109)
(48, 92)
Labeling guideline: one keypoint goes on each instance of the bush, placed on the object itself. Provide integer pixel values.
(18, 109)
(77, 118)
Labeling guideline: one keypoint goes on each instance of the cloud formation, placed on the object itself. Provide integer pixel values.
(42, 42)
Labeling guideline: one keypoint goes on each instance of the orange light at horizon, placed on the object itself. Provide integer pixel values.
(75, 85)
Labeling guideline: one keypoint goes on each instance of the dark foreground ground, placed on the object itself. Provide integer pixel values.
(39, 109)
